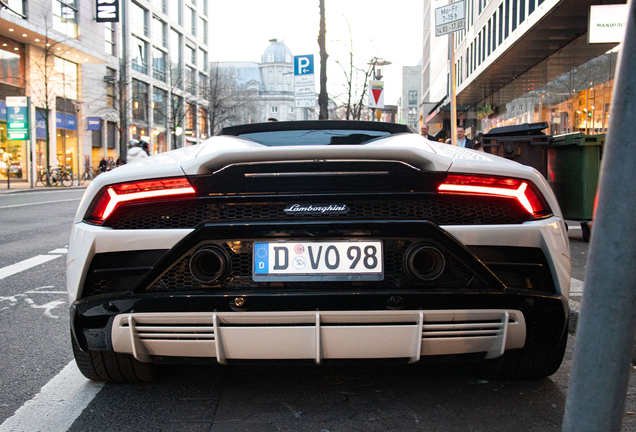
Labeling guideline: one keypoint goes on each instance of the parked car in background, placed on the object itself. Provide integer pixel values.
(319, 241)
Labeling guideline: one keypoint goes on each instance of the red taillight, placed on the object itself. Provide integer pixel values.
(112, 196)
(519, 189)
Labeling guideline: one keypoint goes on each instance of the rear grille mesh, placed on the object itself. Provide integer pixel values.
(443, 210)
(179, 278)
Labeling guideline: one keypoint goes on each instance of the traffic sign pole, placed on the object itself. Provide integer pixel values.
(451, 44)
(448, 20)
(32, 143)
(304, 82)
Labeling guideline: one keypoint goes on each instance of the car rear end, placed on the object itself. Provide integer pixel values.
(393, 250)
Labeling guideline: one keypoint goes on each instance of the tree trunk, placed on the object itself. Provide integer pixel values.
(322, 98)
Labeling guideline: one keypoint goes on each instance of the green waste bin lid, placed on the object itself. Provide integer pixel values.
(577, 138)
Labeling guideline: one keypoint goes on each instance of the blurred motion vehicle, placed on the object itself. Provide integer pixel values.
(318, 241)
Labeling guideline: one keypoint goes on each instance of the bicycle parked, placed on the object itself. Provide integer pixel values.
(61, 176)
(88, 175)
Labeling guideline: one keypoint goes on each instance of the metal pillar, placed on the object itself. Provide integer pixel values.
(605, 335)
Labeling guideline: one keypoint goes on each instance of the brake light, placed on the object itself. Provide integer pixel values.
(109, 198)
(521, 190)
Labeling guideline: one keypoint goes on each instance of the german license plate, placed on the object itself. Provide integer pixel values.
(337, 260)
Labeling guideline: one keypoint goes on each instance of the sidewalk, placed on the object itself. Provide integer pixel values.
(19, 185)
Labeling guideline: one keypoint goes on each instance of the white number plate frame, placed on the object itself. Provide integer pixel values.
(306, 261)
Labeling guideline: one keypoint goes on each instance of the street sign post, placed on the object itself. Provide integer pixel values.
(376, 94)
(448, 20)
(304, 81)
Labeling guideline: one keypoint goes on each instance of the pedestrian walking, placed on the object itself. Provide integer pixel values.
(135, 152)
(462, 140)
(424, 132)
(111, 163)
(103, 165)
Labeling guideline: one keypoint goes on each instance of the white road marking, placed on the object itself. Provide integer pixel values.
(59, 251)
(38, 203)
(48, 307)
(25, 265)
(576, 286)
(57, 405)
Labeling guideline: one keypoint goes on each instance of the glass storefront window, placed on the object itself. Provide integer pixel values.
(574, 98)
(66, 146)
(11, 62)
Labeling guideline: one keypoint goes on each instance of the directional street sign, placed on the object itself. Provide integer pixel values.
(304, 64)
(17, 118)
(450, 18)
(304, 81)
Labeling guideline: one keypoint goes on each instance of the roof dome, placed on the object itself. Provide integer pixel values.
(277, 52)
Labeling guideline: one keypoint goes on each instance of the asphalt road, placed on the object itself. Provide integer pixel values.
(41, 390)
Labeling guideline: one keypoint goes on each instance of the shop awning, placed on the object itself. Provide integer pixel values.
(565, 23)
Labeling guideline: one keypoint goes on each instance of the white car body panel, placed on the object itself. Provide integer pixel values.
(300, 335)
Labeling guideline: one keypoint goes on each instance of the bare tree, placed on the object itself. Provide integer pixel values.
(45, 89)
(323, 100)
(353, 100)
(230, 102)
(177, 112)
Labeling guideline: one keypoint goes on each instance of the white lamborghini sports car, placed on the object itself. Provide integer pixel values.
(318, 241)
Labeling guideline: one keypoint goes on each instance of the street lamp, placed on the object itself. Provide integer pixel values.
(377, 73)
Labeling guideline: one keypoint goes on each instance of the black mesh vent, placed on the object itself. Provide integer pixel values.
(456, 274)
(443, 210)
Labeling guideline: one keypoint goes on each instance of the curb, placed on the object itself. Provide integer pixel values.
(40, 189)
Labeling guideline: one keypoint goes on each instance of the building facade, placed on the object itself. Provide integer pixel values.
(44, 58)
(410, 96)
(95, 85)
(525, 61)
(271, 82)
(161, 73)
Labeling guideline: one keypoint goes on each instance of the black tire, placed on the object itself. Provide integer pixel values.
(530, 362)
(586, 231)
(110, 366)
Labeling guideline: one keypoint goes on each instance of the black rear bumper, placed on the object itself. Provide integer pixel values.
(478, 288)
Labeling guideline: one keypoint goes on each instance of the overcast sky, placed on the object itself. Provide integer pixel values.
(392, 30)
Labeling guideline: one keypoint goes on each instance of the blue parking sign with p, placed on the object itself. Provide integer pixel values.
(304, 64)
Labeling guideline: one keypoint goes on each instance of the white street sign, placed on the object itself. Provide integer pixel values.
(305, 101)
(16, 101)
(304, 80)
(308, 90)
(450, 18)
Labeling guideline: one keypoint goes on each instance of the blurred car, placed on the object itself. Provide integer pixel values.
(15, 169)
(318, 241)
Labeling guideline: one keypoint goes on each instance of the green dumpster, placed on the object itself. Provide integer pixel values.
(574, 162)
